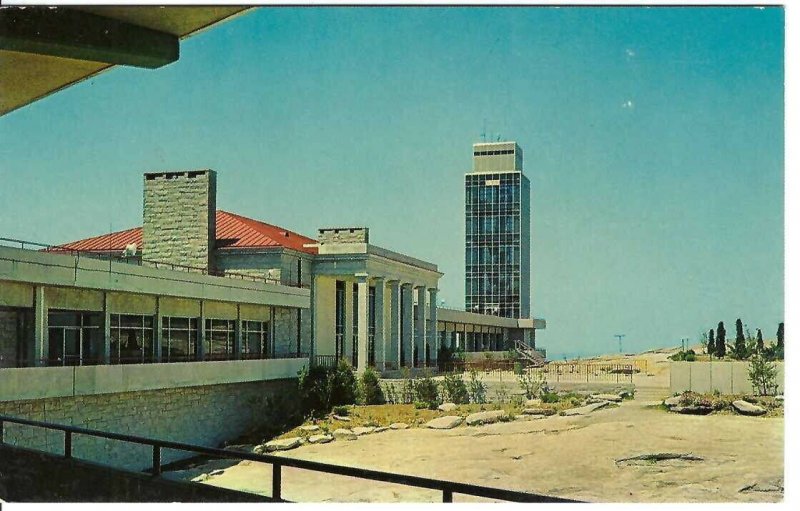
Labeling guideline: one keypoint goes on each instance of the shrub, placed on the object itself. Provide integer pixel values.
(454, 389)
(549, 397)
(344, 388)
(763, 375)
(476, 388)
(532, 385)
(501, 394)
(314, 386)
(341, 410)
(518, 368)
(370, 388)
(517, 400)
(426, 391)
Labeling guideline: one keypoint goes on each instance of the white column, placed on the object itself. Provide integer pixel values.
(393, 346)
(419, 324)
(380, 329)
(347, 350)
(40, 333)
(407, 324)
(363, 321)
(433, 330)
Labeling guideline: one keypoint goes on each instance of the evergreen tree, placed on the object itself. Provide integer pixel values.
(779, 347)
(759, 341)
(710, 348)
(720, 342)
(739, 347)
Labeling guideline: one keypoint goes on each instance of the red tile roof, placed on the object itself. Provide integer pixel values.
(233, 232)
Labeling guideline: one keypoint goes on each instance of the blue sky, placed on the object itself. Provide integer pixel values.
(653, 139)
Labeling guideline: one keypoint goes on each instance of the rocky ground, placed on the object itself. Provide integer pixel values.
(583, 457)
(632, 451)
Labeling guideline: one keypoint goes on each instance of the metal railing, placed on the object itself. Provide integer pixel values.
(138, 261)
(76, 361)
(448, 488)
(553, 372)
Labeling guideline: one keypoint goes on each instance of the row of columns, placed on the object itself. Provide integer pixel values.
(402, 335)
(455, 335)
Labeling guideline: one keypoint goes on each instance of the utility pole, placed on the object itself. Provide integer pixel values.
(619, 339)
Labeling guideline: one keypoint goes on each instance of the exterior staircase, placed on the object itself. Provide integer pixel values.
(529, 354)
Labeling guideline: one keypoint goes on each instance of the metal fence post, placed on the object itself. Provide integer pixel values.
(68, 444)
(156, 460)
(276, 482)
(447, 495)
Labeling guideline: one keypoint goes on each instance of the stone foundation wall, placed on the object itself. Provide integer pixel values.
(205, 415)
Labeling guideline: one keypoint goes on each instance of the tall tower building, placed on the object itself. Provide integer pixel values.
(498, 231)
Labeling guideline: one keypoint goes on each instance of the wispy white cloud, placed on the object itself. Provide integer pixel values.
(628, 104)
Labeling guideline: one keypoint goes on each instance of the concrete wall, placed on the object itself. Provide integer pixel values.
(325, 316)
(51, 382)
(30, 476)
(728, 377)
(21, 269)
(204, 415)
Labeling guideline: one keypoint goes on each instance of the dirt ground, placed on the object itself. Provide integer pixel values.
(572, 457)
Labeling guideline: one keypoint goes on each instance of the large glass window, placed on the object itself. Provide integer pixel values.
(75, 338)
(131, 339)
(219, 336)
(256, 342)
(178, 339)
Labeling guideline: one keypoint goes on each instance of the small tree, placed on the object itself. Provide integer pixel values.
(720, 342)
(711, 347)
(779, 347)
(739, 347)
(370, 387)
(759, 342)
(762, 375)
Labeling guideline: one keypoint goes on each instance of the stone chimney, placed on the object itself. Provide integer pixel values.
(180, 211)
(341, 235)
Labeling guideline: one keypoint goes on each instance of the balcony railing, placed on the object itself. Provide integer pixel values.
(138, 261)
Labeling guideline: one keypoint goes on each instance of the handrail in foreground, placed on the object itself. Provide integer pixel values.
(448, 488)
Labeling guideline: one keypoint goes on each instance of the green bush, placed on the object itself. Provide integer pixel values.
(532, 385)
(426, 391)
(344, 388)
(341, 410)
(314, 386)
(476, 388)
(549, 397)
(518, 368)
(763, 375)
(454, 389)
(370, 388)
